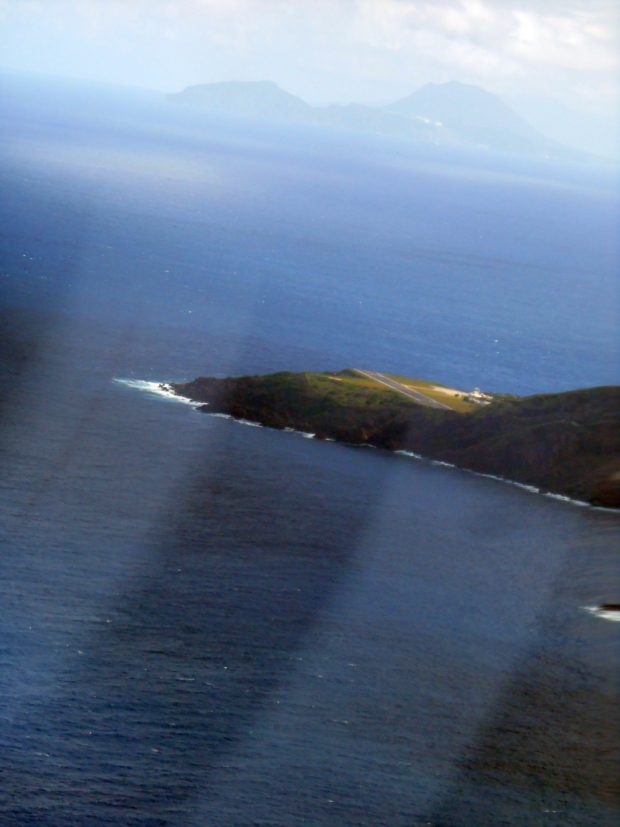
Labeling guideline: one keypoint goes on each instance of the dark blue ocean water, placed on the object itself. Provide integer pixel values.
(207, 623)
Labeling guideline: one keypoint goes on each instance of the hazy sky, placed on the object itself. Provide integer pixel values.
(325, 50)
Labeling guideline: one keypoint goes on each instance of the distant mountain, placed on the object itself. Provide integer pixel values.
(448, 114)
(267, 100)
(470, 115)
(460, 106)
(581, 130)
(256, 99)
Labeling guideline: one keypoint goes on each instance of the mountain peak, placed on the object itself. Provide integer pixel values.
(255, 98)
(469, 112)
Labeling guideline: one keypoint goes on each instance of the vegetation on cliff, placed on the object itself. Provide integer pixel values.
(568, 443)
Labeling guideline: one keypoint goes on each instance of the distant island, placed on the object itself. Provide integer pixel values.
(448, 115)
(563, 443)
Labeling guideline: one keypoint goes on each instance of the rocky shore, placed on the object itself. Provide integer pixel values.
(565, 443)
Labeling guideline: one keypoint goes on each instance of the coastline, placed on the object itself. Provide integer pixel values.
(171, 392)
(565, 445)
(531, 489)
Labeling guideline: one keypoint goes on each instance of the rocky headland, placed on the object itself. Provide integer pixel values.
(566, 443)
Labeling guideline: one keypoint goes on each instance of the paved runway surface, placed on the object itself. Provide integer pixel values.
(417, 396)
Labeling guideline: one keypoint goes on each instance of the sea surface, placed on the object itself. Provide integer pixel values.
(206, 623)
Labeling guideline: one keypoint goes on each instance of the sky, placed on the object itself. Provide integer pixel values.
(326, 51)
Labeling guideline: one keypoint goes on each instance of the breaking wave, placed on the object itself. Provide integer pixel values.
(160, 389)
(604, 614)
(532, 489)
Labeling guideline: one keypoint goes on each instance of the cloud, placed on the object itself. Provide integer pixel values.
(582, 36)
(342, 48)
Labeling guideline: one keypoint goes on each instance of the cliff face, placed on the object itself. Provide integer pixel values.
(568, 443)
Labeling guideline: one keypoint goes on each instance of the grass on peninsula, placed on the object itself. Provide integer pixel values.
(345, 389)
(328, 404)
(326, 391)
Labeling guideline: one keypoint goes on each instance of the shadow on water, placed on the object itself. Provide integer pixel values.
(187, 647)
(551, 740)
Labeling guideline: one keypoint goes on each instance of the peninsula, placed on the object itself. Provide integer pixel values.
(566, 443)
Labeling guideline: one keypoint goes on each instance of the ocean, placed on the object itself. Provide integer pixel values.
(206, 623)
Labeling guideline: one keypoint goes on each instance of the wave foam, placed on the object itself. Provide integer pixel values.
(570, 500)
(441, 462)
(160, 389)
(604, 614)
(532, 489)
(305, 434)
(248, 422)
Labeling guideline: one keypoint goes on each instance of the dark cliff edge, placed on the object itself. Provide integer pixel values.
(565, 443)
